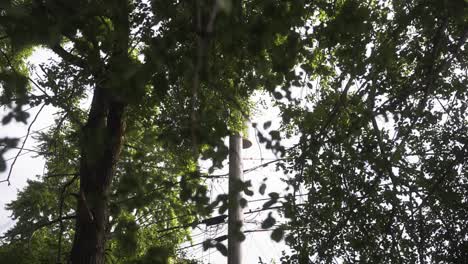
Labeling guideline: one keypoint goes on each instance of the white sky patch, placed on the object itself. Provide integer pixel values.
(29, 164)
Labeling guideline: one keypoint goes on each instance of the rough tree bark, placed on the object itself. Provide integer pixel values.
(101, 142)
(100, 149)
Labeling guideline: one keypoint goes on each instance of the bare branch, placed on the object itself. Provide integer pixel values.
(72, 59)
(22, 146)
(27, 149)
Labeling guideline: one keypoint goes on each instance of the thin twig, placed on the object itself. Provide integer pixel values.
(62, 199)
(43, 224)
(22, 146)
(27, 149)
(46, 176)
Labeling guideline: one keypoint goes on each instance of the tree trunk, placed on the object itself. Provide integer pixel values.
(102, 139)
(100, 148)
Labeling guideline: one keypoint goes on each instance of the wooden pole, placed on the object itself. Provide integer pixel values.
(235, 211)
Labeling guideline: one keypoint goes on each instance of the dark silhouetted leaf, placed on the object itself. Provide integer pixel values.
(274, 195)
(268, 204)
(275, 135)
(243, 203)
(221, 238)
(6, 119)
(262, 189)
(268, 222)
(222, 249)
(207, 244)
(277, 234)
(278, 96)
(214, 220)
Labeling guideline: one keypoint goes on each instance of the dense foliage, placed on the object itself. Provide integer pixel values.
(165, 83)
(374, 90)
(145, 208)
(383, 134)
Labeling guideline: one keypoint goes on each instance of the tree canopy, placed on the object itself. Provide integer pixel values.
(373, 91)
(382, 148)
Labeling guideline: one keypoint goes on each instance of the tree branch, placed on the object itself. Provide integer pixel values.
(22, 147)
(40, 225)
(72, 59)
(62, 200)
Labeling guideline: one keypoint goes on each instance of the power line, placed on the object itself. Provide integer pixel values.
(246, 170)
(221, 238)
(267, 199)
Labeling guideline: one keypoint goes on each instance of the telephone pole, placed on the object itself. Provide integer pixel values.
(236, 144)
